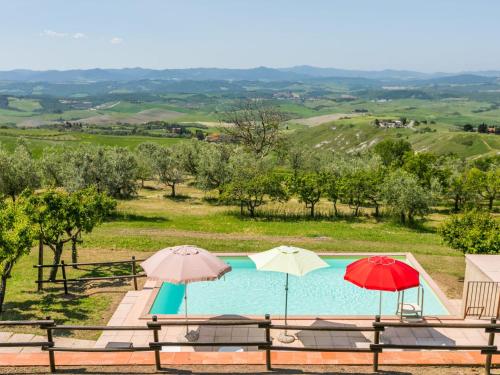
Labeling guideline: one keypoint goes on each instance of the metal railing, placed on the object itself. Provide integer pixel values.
(266, 344)
(482, 299)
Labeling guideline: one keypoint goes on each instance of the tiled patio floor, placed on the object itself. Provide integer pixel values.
(131, 309)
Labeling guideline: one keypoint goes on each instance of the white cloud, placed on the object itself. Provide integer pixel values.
(53, 34)
(56, 34)
(116, 40)
(79, 36)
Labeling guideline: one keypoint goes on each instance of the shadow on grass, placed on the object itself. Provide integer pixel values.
(272, 216)
(177, 198)
(120, 216)
(74, 306)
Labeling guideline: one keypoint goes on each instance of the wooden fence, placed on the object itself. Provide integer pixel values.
(266, 344)
(134, 275)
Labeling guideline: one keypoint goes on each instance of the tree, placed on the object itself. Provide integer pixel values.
(405, 197)
(251, 182)
(121, 182)
(214, 168)
(168, 168)
(332, 183)
(309, 188)
(256, 126)
(482, 128)
(485, 183)
(456, 187)
(109, 169)
(392, 152)
(60, 217)
(16, 239)
(18, 171)
(190, 156)
(468, 128)
(88, 210)
(473, 233)
(426, 167)
(374, 175)
(354, 184)
(54, 166)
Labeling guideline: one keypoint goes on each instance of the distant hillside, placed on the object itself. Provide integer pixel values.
(296, 73)
(359, 134)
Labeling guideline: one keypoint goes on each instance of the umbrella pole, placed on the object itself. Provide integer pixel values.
(186, 307)
(380, 303)
(286, 302)
(284, 336)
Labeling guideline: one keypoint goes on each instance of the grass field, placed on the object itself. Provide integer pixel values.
(152, 222)
(39, 139)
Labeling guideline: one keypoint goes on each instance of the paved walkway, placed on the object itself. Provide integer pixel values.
(131, 312)
(11, 337)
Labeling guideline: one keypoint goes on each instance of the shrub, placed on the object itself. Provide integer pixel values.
(472, 233)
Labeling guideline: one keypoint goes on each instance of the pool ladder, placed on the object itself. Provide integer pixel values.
(411, 310)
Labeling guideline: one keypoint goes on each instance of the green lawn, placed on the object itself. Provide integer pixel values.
(152, 222)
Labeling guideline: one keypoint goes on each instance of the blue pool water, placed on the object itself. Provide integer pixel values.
(246, 291)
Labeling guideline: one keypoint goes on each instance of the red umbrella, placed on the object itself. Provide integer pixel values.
(382, 273)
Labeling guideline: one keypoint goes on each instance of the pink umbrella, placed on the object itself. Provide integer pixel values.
(182, 265)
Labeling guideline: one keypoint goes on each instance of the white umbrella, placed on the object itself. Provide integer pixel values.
(288, 260)
(182, 265)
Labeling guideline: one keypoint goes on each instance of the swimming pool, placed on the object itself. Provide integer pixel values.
(246, 291)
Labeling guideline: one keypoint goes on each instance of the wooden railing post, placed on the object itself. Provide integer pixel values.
(489, 356)
(134, 272)
(156, 339)
(50, 340)
(269, 342)
(376, 340)
(65, 282)
(40, 263)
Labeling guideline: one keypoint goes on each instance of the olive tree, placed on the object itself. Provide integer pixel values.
(18, 171)
(109, 169)
(54, 165)
(16, 239)
(214, 167)
(168, 168)
(405, 196)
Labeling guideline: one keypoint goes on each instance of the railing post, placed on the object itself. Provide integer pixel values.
(156, 339)
(269, 342)
(50, 340)
(40, 263)
(376, 340)
(63, 268)
(491, 341)
(134, 272)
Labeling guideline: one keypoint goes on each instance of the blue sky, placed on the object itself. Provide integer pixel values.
(424, 35)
